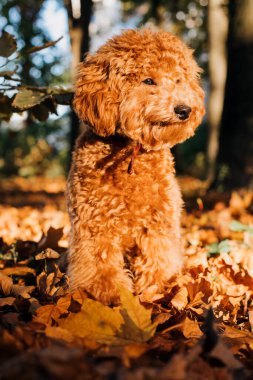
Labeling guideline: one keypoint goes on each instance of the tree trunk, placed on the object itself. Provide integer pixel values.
(217, 36)
(236, 140)
(79, 20)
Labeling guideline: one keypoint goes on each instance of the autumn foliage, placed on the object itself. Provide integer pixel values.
(201, 327)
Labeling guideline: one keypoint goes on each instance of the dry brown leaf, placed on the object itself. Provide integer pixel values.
(162, 318)
(190, 329)
(151, 294)
(47, 254)
(63, 303)
(199, 259)
(18, 271)
(41, 281)
(46, 283)
(135, 350)
(180, 300)
(7, 288)
(236, 290)
(6, 284)
(23, 291)
(59, 333)
(234, 333)
(7, 301)
(51, 239)
(250, 313)
(239, 203)
(79, 296)
(47, 314)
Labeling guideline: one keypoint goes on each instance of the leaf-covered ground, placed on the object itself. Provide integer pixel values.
(201, 328)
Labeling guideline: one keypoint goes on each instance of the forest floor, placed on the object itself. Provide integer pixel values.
(201, 328)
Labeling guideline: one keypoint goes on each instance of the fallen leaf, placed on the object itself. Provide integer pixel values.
(59, 333)
(63, 303)
(251, 319)
(236, 290)
(51, 239)
(180, 300)
(47, 254)
(8, 288)
(18, 271)
(95, 321)
(190, 329)
(6, 284)
(47, 314)
(7, 301)
(79, 296)
(151, 294)
(135, 350)
(137, 319)
(162, 318)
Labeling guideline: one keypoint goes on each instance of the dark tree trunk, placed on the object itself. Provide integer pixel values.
(80, 41)
(156, 11)
(86, 13)
(236, 140)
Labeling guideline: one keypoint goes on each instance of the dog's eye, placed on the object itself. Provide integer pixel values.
(178, 81)
(149, 81)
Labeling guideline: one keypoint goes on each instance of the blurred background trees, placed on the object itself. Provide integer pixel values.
(220, 31)
(29, 142)
(236, 139)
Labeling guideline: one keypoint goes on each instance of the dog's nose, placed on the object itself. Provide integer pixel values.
(182, 111)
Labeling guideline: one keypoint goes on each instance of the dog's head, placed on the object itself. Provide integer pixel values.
(144, 85)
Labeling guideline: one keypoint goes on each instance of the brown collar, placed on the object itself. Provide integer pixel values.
(135, 152)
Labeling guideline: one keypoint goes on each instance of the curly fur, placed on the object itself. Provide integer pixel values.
(126, 228)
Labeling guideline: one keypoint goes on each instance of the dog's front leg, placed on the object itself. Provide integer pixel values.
(97, 266)
(159, 258)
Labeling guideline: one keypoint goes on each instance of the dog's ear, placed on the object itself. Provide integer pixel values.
(95, 102)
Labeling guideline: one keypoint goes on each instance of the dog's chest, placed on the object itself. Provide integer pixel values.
(148, 188)
(105, 187)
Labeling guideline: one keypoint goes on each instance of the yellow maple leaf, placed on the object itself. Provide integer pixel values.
(137, 319)
(94, 321)
(119, 325)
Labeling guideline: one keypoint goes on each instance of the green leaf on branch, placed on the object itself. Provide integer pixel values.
(8, 45)
(26, 99)
(240, 227)
(218, 248)
(42, 47)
